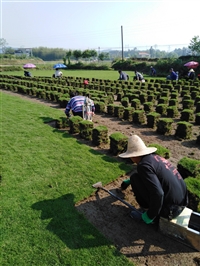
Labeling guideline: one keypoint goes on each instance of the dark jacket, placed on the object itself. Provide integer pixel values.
(191, 75)
(163, 182)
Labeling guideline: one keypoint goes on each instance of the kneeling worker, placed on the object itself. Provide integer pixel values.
(157, 185)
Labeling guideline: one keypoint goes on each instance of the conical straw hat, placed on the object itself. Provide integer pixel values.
(136, 147)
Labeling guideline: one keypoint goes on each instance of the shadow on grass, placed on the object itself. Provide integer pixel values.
(47, 119)
(68, 224)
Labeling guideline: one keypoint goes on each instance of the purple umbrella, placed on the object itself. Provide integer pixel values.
(29, 65)
(192, 64)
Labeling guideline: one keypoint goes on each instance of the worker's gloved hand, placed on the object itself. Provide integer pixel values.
(146, 218)
(125, 184)
(141, 217)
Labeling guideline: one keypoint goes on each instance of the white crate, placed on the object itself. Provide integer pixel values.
(179, 230)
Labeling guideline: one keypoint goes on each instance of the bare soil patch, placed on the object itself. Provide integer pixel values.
(142, 244)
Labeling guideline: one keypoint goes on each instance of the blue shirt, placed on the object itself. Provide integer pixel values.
(173, 75)
(76, 104)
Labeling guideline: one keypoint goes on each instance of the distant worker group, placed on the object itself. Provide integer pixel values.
(173, 75)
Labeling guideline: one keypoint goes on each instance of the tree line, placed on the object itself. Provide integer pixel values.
(53, 54)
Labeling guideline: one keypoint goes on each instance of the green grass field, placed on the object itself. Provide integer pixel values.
(44, 172)
(99, 74)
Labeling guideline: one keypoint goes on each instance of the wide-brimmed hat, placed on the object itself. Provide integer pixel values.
(136, 147)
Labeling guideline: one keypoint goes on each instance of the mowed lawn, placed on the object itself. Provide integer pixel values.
(44, 172)
(98, 74)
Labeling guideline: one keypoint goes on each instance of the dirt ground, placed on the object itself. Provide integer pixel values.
(142, 244)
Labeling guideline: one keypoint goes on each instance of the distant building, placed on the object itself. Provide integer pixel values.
(23, 51)
(144, 55)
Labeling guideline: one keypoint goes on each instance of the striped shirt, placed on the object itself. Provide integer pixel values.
(76, 104)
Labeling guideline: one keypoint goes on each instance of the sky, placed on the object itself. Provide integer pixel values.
(100, 25)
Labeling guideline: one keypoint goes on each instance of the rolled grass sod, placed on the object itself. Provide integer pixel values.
(44, 172)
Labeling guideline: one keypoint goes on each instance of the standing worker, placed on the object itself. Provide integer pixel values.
(157, 185)
(153, 71)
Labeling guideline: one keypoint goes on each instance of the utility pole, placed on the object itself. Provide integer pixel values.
(98, 53)
(122, 43)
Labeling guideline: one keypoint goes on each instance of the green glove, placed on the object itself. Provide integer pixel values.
(125, 184)
(146, 218)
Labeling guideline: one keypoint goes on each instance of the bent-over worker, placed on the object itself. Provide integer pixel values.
(157, 185)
